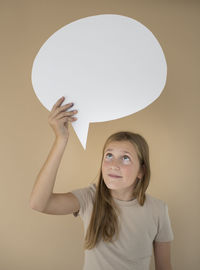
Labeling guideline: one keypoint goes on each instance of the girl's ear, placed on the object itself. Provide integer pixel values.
(142, 171)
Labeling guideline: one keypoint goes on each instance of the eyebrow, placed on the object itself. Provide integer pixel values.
(122, 151)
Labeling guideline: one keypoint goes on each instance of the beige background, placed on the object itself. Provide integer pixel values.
(31, 240)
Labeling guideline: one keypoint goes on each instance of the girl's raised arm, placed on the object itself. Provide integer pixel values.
(42, 193)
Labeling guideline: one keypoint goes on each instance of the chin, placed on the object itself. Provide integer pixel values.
(112, 185)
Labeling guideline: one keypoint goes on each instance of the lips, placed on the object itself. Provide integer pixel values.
(115, 176)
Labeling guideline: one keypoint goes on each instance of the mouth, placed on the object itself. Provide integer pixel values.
(114, 176)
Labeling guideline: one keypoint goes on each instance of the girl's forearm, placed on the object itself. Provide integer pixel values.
(43, 187)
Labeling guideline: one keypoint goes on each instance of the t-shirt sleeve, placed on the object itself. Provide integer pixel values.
(85, 197)
(164, 233)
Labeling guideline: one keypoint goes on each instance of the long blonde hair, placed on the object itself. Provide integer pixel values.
(104, 218)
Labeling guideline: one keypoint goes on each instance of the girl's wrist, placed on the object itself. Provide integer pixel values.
(61, 140)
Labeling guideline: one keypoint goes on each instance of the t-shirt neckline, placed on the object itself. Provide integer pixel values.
(122, 203)
(125, 203)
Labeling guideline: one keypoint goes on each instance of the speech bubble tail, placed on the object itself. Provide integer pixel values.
(81, 129)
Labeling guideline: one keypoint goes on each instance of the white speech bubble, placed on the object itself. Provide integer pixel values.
(109, 65)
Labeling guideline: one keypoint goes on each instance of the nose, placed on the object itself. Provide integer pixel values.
(115, 164)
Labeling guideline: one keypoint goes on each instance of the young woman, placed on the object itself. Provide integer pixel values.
(122, 223)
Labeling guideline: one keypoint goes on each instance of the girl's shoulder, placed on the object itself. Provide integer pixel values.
(92, 187)
(92, 190)
(154, 201)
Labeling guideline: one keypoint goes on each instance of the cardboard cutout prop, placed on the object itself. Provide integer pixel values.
(109, 65)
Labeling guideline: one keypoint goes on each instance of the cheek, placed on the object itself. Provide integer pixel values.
(128, 170)
(105, 165)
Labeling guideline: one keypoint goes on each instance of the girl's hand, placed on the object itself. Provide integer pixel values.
(58, 118)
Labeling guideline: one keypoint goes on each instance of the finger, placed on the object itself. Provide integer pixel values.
(73, 119)
(66, 114)
(66, 119)
(58, 103)
(58, 110)
(65, 107)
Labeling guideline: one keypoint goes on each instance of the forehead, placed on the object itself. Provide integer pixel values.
(121, 146)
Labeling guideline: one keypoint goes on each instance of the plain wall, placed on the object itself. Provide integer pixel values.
(32, 240)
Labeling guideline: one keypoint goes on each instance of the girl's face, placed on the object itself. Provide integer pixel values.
(121, 160)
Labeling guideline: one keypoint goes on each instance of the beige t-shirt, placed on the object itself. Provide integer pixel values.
(139, 227)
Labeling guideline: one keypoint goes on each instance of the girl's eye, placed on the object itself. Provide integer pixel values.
(127, 157)
(108, 154)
